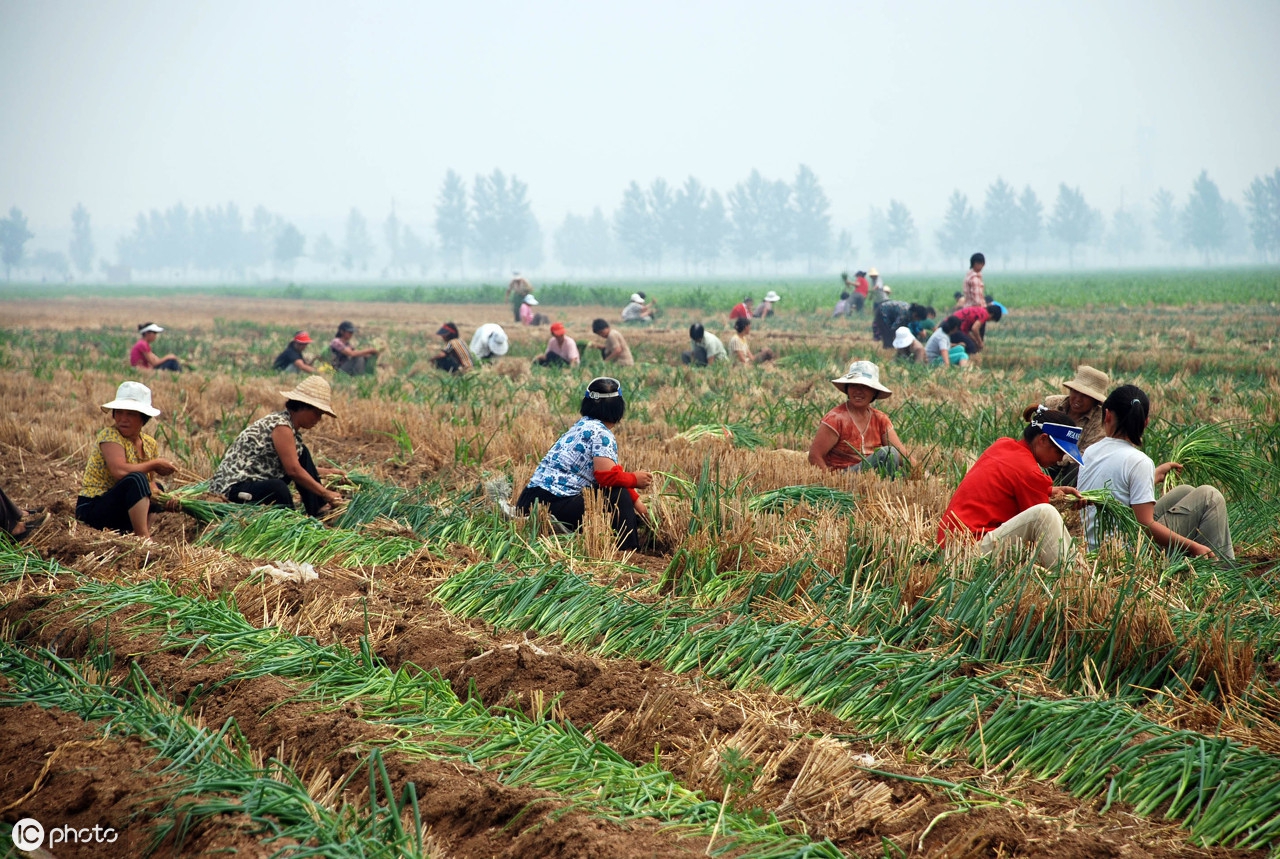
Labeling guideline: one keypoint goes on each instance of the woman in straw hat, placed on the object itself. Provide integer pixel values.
(1004, 497)
(1083, 404)
(119, 479)
(269, 454)
(853, 435)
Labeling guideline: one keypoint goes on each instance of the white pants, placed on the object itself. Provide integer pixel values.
(1040, 526)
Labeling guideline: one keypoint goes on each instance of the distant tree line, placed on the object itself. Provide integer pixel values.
(759, 223)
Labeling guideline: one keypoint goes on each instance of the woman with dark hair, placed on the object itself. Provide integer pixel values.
(269, 454)
(586, 457)
(973, 324)
(974, 289)
(119, 478)
(347, 358)
(142, 356)
(941, 349)
(454, 357)
(1192, 519)
(1005, 495)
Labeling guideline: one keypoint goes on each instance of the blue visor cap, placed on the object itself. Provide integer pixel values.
(1004, 311)
(1066, 438)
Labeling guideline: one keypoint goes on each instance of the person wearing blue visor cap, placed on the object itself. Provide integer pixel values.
(1005, 497)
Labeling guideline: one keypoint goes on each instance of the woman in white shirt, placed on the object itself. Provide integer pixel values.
(1191, 519)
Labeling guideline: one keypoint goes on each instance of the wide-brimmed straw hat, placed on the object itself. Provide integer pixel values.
(637, 298)
(872, 272)
(863, 373)
(133, 397)
(1089, 381)
(902, 337)
(314, 391)
(772, 296)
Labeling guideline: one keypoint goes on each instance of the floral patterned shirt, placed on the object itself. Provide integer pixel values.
(252, 456)
(97, 478)
(569, 467)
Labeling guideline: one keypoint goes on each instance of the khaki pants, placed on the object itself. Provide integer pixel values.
(1040, 526)
(1198, 513)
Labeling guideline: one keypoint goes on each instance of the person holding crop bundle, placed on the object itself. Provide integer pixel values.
(142, 356)
(293, 359)
(1005, 496)
(585, 457)
(1083, 404)
(269, 454)
(1191, 519)
(119, 478)
(453, 357)
(853, 435)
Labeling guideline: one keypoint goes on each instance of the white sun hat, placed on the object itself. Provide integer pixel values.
(147, 329)
(133, 397)
(902, 337)
(498, 343)
(863, 373)
(530, 300)
(637, 298)
(772, 296)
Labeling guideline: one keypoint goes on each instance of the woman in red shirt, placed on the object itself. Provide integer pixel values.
(1005, 495)
(853, 435)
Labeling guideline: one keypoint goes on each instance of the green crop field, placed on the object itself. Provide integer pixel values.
(791, 667)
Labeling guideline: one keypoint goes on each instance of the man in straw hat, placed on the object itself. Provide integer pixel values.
(119, 478)
(1083, 404)
(853, 435)
(269, 455)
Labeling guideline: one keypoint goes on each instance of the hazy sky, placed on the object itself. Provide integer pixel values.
(311, 107)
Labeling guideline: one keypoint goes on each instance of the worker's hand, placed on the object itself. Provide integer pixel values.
(1164, 468)
(334, 498)
(1199, 550)
(1061, 491)
(643, 479)
(163, 466)
(172, 505)
(641, 510)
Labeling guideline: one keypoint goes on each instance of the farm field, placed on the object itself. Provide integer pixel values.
(784, 672)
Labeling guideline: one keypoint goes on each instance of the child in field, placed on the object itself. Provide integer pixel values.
(1191, 519)
(974, 289)
(1005, 496)
(586, 457)
(853, 435)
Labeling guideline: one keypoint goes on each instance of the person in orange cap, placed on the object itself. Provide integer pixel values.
(293, 359)
(561, 351)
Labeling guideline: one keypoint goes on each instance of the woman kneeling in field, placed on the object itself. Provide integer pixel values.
(269, 453)
(1005, 495)
(853, 436)
(1192, 519)
(119, 478)
(587, 456)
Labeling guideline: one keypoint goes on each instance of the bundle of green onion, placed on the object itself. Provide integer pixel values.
(1210, 454)
(739, 435)
(780, 500)
(1111, 517)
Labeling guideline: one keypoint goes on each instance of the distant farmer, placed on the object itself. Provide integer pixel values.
(454, 357)
(974, 290)
(765, 308)
(879, 289)
(516, 292)
(844, 306)
(528, 316)
(741, 310)
(586, 457)
(489, 341)
(853, 435)
(119, 478)
(886, 318)
(615, 348)
(973, 325)
(1083, 404)
(562, 351)
(704, 347)
(142, 356)
(346, 358)
(740, 349)
(907, 346)
(269, 454)
(293, 359)
(1004, 497)
(636, 310)
(858, 288)
(941, 350)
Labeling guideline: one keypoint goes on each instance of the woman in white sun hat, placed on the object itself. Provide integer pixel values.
(853, 435)
(269, 455)
(527, 314)
(637, 309)
(119, 478)
(765, 308)
(909, 348)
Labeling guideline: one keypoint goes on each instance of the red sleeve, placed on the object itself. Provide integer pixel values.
(616, 477)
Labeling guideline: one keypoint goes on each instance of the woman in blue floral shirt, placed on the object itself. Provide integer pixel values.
(587, 457)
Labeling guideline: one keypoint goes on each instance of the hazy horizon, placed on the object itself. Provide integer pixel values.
(310, 110)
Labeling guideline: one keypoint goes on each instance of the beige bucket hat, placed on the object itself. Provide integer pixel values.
(132, 397)
(314, 391)
(1089, 381)
(863, 373)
